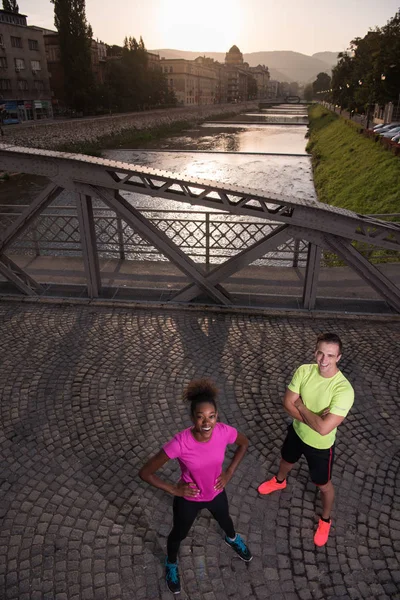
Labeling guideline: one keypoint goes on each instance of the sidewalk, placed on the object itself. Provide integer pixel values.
(87, 394)
(255, 286)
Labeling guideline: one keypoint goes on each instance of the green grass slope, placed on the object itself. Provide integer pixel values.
(350, 170)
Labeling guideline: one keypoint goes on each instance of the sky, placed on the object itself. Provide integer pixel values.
(306, 26)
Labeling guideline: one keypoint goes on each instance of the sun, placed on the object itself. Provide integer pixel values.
(207, 25)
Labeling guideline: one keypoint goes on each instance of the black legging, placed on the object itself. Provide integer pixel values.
(185, 512)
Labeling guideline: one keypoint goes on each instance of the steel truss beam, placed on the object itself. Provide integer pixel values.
(162, 242)
(371, 275)
(8, 268)
(18, 277)
(354, 259)
(31, 212)
(69, 170)
(89, 245)
(322, 225)
(311, 277)
(274, 239)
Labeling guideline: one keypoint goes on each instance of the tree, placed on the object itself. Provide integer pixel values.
(130, 83)
(343, 78)
(11, 6)
(75, 38)
(308, 92)
(387, 64)
(370, 71)
(322, 86)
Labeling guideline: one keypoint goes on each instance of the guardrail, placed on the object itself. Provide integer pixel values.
(207, 237)
(251, 226)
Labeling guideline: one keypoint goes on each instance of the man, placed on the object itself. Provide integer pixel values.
(318, 398)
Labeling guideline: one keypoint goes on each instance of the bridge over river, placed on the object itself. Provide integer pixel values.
(105, 228)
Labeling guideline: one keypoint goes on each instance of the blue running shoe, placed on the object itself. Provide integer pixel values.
(239, 547)
(172, 577)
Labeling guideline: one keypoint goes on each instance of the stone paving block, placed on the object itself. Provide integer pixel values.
(88, 393)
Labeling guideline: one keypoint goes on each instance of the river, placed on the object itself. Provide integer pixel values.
(268, 155)
(265, 156)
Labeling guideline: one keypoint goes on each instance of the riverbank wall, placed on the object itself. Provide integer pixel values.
(55, 135)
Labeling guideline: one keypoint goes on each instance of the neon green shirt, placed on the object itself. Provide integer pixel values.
(317, 394)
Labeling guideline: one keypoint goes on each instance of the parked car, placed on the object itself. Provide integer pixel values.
(396, 138)
(387, 127)
(390, 132)
(382, 125)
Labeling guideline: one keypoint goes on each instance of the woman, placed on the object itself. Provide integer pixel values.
(200, 450)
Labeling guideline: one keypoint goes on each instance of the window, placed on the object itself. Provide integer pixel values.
(52, 54)
(171, 70)
(1, 40)
(22, 84)
(5, 84)
(19, 64)
(16, 42)
(35, 65)
(3, 62)
(38, 85)
(33, 45)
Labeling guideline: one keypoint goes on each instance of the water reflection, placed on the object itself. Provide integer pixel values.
(262, 156)
(290, 175)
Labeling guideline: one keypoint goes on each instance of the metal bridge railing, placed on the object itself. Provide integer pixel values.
(207, 237)
(250, 227)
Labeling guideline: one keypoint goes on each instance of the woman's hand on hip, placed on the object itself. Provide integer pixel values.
(187, 490)
(221, 481)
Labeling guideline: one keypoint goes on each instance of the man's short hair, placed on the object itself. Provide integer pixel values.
(330, 338)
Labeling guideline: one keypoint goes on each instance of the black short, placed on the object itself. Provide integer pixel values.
(320, 462)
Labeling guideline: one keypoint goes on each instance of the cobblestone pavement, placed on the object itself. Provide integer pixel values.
(87, 394)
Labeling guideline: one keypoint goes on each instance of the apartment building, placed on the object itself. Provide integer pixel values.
(153, 60)
(262, 76)
(240, 76)
(98, 53)
(273, 89)
(194, 82)
(24, 79)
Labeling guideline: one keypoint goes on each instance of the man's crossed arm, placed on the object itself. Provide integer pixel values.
(323, 424)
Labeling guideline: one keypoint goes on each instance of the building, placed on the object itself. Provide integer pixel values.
(273, 89)
(262, 76)
(245, 82)
(99, 59)
(194, 82)
(221, 91)
(153, 60)
(237, 75)
(98, 52)
(24, 79)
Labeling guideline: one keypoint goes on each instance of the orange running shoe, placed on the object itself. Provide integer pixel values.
(322, 533)
(271, 486)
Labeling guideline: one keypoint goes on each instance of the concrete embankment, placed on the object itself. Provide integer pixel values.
(58, 134)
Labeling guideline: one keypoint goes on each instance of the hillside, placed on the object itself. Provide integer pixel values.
(328, 57)
(283, 65)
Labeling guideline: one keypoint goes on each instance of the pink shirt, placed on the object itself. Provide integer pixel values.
(201, 462)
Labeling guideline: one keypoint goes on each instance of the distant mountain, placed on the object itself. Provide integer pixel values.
(283, 65)
(330, 58)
